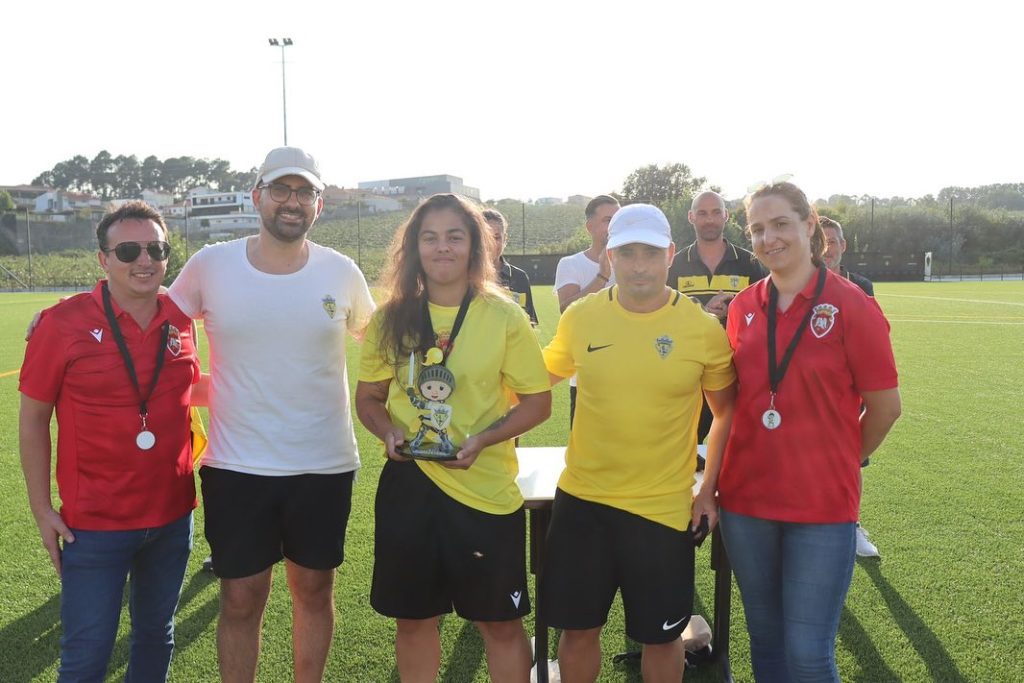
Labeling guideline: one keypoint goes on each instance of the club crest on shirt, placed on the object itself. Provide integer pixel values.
(173, 340)
(734, 281)
(330, 305)
(823, 319)
(663, 345)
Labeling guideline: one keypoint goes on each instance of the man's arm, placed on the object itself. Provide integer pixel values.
(881, 410)
(569, 293)
(706, 502)
(531, 410)
(34, 441)
(371, 407)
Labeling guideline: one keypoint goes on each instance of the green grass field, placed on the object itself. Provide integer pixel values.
(942, 501)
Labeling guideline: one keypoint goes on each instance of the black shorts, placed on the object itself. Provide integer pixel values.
(594, 550)
(432, 553)
(252, 521)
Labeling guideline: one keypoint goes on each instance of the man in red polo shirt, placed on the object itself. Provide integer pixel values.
(118, 364)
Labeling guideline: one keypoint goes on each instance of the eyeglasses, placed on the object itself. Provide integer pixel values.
(127, 252)
(307, 196)
(758, 186)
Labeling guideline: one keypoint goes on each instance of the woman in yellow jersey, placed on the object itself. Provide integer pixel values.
(441, 358)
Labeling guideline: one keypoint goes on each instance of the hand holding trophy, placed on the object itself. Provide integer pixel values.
(435, 384)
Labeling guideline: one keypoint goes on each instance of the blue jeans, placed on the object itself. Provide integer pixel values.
(94, 570)
(793, 579)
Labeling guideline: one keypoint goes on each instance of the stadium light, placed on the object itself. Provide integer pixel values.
(283, 43)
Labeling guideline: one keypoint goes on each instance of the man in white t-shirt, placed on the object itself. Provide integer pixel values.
(277, 474)
(588, 271)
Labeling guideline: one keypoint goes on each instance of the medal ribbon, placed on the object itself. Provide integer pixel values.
(777, 371)
(123, 348)
(428, 337)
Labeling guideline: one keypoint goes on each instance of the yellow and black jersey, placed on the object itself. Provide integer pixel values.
(737, 270)
(639, 381)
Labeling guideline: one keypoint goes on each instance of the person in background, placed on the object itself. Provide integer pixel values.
(513, 279)
(587, 271)
(712, 270)
(835, 247)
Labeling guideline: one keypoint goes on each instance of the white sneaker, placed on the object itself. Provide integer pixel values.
(865, 548)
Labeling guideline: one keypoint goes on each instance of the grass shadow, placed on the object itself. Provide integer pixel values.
(466, 657)
(873, 668)
(940, 665)
(31, 643)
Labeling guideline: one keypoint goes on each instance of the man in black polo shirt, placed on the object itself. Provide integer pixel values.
(515, 280)
(712, 270)
(835, 247)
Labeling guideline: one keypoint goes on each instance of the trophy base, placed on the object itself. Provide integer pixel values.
(428, 451)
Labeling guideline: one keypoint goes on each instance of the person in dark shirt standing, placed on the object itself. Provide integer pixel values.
(712, 270)
(835, 247)
(515, 280)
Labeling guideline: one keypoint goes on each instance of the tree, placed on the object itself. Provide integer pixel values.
(659, 185)
(6, 201)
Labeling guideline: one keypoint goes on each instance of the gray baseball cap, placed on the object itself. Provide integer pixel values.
(284, 161)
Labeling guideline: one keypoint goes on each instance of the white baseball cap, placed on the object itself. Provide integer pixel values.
(641, 223)
(284, 161)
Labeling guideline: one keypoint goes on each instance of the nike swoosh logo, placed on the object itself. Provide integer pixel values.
(591, 348)
(667, 626)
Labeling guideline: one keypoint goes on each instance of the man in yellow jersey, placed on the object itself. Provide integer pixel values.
(643, 353)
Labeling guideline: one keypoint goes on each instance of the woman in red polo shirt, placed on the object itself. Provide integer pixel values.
(810, 349)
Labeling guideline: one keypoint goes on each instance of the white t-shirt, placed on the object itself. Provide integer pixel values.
(279, 398)
(578, 270)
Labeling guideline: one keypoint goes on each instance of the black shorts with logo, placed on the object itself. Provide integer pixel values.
(594, 550)
(432, 553)
(253, 521)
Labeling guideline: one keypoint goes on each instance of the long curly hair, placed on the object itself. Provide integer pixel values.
(803, 208)
(405, 281)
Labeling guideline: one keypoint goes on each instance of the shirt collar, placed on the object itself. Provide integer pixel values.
(730, 251)
(761, 291)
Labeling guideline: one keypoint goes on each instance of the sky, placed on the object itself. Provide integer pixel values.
(529, 99)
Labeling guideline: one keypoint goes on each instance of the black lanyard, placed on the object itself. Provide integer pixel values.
(428, 337)
(777, 372)
(123, 348)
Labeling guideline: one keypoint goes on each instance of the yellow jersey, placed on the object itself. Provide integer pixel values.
(640, 376)
(496, 354)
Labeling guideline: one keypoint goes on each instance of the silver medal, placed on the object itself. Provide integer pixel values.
(771, 419)
(145, 440)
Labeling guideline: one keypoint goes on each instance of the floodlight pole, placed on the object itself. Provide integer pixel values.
(283, 43)
(951, 237)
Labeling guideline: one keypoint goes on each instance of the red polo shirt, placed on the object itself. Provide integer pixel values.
(106, 482)
(806, 470)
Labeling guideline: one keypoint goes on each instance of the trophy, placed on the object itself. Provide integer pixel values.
(429, 392)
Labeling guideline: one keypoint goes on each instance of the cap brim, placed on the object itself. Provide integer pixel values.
(293, 170)
(650, 237)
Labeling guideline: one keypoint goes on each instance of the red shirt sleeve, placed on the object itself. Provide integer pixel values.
(42, 372)
(867, 344)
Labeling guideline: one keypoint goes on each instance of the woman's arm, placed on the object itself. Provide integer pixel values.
(881, 410)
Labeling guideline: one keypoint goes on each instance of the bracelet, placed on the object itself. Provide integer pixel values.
(602, 277)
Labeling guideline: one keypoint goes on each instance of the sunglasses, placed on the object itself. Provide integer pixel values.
(127, 252)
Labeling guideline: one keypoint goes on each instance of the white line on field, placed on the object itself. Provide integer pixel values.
(952, 322)
(967, 301)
